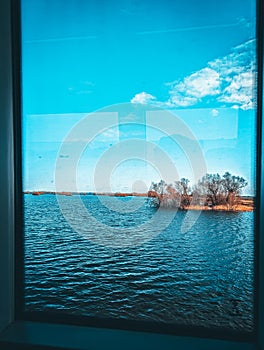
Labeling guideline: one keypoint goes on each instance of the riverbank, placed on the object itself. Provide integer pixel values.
(243, 204)
(109, 194)
(239, 207)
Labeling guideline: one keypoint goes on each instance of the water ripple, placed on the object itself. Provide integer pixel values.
(201, 277)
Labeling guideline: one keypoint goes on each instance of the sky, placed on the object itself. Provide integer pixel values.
(192, 63)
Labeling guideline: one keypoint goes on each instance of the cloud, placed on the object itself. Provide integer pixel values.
(240, 91)
(205, 82)
(142, 98)
(105, 136)
(214, 112)
(227, 81)
(238, 75)
(112, 133)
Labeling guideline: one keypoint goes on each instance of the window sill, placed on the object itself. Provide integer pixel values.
(24, 335)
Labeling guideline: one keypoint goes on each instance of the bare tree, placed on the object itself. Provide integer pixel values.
(183, 188)
(211, 189)
(211, 186)
(232, 186)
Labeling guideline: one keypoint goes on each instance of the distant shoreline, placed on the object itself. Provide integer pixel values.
(244, 203)
(111, 194)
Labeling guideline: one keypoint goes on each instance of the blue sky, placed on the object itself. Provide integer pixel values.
(192, 58)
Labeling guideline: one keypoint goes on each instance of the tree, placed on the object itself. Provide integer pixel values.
(182, 187)
(162, 186)
(232, 186)
(215, 190)
(211, 187)
(169, 195)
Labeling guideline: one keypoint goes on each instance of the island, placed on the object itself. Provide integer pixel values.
(212, 192)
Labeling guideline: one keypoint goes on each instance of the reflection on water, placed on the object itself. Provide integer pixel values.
(202, 277)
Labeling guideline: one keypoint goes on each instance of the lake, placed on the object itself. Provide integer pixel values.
(202, 276)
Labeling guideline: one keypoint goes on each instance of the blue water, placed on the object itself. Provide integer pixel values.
(201, 277)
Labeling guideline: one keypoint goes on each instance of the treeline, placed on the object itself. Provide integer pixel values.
(211, 190)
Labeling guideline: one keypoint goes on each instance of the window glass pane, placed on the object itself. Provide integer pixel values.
(139, 150)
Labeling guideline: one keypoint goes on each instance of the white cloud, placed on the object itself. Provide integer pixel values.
(143, 97)
(238, 74)
(226, 81)
(179, 100)
(109, 133)
(214, 112)
(240, 91)
(205, 82)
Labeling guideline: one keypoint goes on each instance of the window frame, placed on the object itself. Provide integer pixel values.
(17, 331)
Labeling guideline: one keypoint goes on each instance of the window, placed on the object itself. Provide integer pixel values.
(9, 228)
